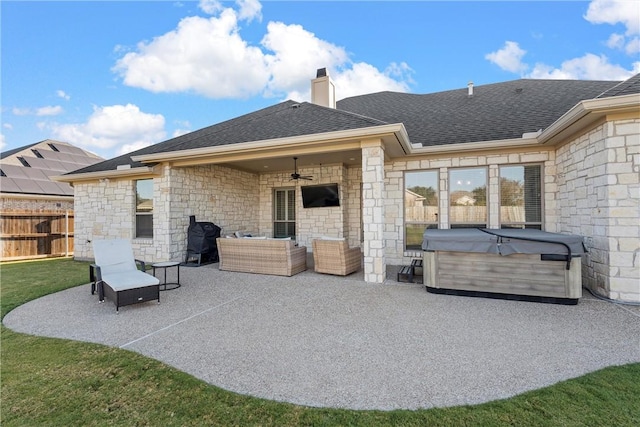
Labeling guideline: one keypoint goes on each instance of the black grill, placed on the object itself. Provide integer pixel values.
(201, 242)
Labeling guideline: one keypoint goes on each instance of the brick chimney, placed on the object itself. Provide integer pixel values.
(323, 91)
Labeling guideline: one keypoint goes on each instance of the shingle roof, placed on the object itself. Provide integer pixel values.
(494, 112)
(287, 119)
(626, 87)
(27, 169)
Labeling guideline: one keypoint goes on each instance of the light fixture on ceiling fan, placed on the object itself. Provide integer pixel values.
(295, 175)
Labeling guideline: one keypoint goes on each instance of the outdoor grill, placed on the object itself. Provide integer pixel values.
(201, 242)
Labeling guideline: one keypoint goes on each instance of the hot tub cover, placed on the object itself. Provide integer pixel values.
(502, 241)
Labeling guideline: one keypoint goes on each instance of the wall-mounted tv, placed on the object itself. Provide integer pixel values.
(319, 196)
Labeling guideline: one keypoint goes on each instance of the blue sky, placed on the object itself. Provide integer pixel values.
(115, 76)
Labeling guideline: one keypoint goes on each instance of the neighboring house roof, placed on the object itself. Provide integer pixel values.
(494, 112)
(500, 111)
(26, 170)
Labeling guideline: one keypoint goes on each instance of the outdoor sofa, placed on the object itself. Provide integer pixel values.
(262, 255)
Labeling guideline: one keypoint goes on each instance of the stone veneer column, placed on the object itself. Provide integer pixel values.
(373, 210)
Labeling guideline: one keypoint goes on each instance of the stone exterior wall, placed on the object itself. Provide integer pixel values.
(35, 205)
(106, 209)
(598, 186)
(394, 192)
(591, 187)
(334, 221)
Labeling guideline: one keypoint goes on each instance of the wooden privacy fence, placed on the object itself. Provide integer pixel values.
(27, 235)
(470, 214)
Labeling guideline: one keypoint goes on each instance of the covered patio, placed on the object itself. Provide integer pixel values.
(325, 341)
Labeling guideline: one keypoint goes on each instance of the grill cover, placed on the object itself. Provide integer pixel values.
(201, 239)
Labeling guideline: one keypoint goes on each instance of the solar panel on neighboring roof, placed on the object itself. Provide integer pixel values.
(35, 174)
(28, 186)
(8, 185)
(50, 187)
(13, 171)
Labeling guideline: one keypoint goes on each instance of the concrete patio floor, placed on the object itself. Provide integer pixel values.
(325, 341)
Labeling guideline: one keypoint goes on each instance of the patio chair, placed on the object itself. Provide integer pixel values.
(118, 277)
(335, 257)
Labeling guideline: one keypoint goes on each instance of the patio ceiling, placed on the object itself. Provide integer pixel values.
(284, 163)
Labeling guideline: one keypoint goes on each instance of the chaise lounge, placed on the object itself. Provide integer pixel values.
(117, 276)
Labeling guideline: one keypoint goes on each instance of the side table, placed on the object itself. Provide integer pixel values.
(164, 266)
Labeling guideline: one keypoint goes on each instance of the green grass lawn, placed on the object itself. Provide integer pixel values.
(54, 382)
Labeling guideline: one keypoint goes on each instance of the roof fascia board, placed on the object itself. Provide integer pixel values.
(338, 138)
(140, 172)
(477, 146)
(591, 107)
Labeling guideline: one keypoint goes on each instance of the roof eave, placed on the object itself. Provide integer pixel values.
(139, 172)
(585, 113)
(183, 157)
(477, 146)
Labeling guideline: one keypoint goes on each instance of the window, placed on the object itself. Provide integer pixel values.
(521, 197)
(24, 162)
(420, 206)
(144, 208)
(37, 154)
(284, 213)
(53, 147)
(468, 198)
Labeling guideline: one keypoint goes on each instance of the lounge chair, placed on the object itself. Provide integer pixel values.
(335, 257)
(117, 275)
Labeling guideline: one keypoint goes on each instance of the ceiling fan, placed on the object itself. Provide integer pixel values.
(295, 175)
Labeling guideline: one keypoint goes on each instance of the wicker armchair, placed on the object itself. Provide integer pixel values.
(335, 257)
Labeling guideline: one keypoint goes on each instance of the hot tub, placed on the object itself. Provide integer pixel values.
(521, 264)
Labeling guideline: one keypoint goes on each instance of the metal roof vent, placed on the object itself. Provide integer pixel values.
(470, 89)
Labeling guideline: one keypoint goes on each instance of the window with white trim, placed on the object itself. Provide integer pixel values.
(468, 198)
(284, 212)
(521, 196)
(420, 206)
(144, 208)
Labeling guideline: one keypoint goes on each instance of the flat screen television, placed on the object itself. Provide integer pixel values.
(319, 196)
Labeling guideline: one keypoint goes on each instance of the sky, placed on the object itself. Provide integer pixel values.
(112, 77)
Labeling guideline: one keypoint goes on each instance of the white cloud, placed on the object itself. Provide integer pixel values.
(49, 110)
(20, 111)
(626, 12)
(633, 46)
(613, 12)
(508, 58)
(3, 143)
(123, 127)
(298, 53)
(363, 78)
(249, 10)
(587, 67)
(615, 41)
(63, 95)
(7, 126)
(210, 6)
(208, 56)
